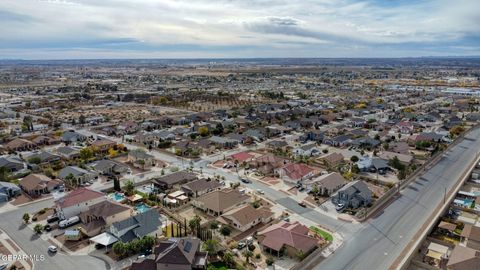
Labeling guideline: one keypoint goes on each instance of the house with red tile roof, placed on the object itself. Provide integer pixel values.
(241, 157)
(285, 238)
(78, 201)
(295, 172)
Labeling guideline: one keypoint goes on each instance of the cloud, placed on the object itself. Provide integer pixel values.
(236, 28)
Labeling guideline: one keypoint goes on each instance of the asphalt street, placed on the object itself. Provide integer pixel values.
(380, 241)
(11, 223)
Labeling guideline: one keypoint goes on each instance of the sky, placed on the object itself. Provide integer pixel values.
(105, 29)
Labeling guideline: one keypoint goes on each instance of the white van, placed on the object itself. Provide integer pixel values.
(68, 222)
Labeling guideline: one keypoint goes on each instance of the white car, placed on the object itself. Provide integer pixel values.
(260, 191)
(52, 249)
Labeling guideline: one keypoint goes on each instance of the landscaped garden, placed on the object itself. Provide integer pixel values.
(322, 233)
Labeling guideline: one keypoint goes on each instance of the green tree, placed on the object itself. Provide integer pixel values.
(4, 174)
(225, 230)
(194, 223)
(26, 217)
(119, 248)
(86, 153)
(70, 180)
(203, 131)
(38, 228)
(228, 259)
(211, 246)
(34, 160)
(247, 254)
(82, 119)
(354, 158)
(129, 187)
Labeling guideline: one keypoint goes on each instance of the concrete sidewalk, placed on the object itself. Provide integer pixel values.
(13, 249)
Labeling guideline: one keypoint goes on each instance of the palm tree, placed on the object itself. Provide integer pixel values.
(194, 223)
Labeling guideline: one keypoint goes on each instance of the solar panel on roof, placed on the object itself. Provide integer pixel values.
(187, 247)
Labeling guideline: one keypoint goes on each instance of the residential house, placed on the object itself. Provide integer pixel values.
(286, 238)
(101, 215)
(368, 164)
(223, 142)
(128, 127)
(218, 202)
(331, 159)
(38, 184)
(339, 141)
(12, 164)
(140, 159)
(241, 157)
(73, 137)
(267, 164)
(326, 184)
(463, 258)
(471, 236)
(103, 144)
(176, 178)
(199, 187)
(405, 127)
(138, 226)
(308, 150)
(277, 145)
(108, 167)
(399, 147)
(78, 201)
(294, 172)
(19, 144)
(8, 190)
(43, 157)
(405, 159)
(80, 176)
(246, 217)
(69, 152)
(355, 194)
(174, 253)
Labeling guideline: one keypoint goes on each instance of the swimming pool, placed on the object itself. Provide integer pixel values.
(142, 208)
(467, 203)
(118, 197)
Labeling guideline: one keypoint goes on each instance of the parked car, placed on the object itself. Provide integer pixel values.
(47, 228)
(241, 245)
(302, 204)
(245, 180)
(52, 249)
(260, 191)
(339, 207)
(52, 218)
(3, 266)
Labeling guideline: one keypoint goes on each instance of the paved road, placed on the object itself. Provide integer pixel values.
(25, 238)
(382, 239)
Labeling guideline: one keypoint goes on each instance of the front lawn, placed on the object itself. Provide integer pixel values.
(217, 266)
(322, 233)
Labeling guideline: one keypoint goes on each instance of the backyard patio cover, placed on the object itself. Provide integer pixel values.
(104, 239)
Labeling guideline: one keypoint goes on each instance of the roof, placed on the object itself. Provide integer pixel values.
(242, 156)
(247, 214)
(35, 181)
(464, 258)
(291, 234)
(332, 157)
(471, 232)
(296, 170)
(219, 200)
(447, 226)
(16, 143)
(77, 196)
(102, 142)
(357, 187)
(104, 209)
(177, 177)
(74, 170)
(140, 154)
(201, 184)
(138, 226)
(330, 181)
(104, 239)
(178, 251)
(402, 157)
